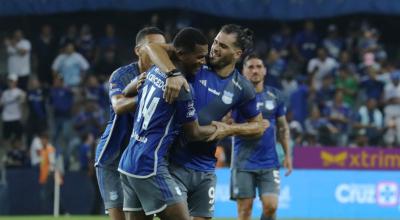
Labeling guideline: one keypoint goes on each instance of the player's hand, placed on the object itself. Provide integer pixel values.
(173, 87)
(228, 118)
(221, 132)
(141, 80)
(287, 163)
(265, 123)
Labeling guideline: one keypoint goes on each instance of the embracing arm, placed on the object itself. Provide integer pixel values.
(122, 104)
(194, 132)
(159, 55)
(253, 128)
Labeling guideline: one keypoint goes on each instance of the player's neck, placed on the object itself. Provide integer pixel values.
(226, 70)
(141, 67)
(259, 87)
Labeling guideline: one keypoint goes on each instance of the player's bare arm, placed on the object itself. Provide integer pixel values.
(284, 137)
(253, 128)
(159, 54)
(132, 88)
(194, 132)
(122, 104)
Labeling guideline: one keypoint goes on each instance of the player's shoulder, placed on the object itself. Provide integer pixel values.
(274, 92)
(130, 69)
(241, 82)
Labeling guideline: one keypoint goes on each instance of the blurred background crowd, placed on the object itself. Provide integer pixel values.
(340, 80)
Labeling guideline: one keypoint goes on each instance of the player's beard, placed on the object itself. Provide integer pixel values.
(221, 62)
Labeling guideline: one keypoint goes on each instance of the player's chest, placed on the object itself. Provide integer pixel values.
(221, 93)
(267, 105)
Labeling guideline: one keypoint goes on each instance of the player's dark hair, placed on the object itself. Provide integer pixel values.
(147, 31)
(244, 36)
(187, 39)
(252, 56)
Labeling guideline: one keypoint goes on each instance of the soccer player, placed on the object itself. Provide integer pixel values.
(148, 186)
(218, 88)
(255, 163)
(119, 127)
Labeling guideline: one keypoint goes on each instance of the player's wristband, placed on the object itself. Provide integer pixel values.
(173, 73)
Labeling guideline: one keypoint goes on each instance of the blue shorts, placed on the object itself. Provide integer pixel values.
(110, 187)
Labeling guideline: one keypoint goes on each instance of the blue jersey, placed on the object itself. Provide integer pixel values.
(253, 154)
(214, 97)
(157, 124)
(117, 133)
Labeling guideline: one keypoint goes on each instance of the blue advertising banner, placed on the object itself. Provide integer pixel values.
(325, 194)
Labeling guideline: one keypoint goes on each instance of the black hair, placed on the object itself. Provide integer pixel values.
(244, 36)
(187, 39)
(252, 56)
(147, 31)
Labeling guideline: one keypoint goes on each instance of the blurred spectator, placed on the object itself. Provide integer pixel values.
(319, 130)
(90, 119)
(340, 115)
(392, 109)
(109, 40)
(346, 82)
(95, 92)
(86, 156)
(19, 58)
(11, 102)
(333, 43)
(45, 49)
(299, 101)
(37, 119)
(46, 172)
(305, 44)
(71, 35)
(86, 43)
(320, 66)
(280, 41)
(325, 94)
(371, 87)
(369, 124)
(107, 64)
(17, 156)
(346, 62)
(61, 102)
(276, 65)
(70, 65)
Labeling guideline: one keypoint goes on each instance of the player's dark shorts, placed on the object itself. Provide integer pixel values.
(110, 187)
(198, 188)
(152, 194)
(244, 183)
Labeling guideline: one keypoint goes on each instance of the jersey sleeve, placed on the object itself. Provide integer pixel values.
(116, 85)
(185, 110)
(281, 109)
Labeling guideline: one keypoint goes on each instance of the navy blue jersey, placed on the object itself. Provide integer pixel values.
(117, 133)
(214, 97)
(157, 124)
(253, 154)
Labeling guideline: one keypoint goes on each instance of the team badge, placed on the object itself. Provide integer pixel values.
(227, 97)
(113, 195)
(269, 104)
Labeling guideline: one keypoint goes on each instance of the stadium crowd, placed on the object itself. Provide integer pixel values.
(341, 87)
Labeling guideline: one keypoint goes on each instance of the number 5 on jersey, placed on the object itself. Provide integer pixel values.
(147, 110)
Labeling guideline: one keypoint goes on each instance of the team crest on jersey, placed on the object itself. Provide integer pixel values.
(270, 104)
(227, 97)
